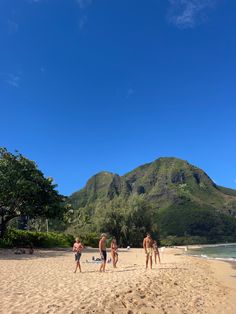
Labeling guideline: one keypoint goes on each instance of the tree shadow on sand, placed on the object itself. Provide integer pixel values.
(38, 253)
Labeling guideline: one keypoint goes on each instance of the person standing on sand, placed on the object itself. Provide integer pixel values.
(103, 251)
(77, 248)
(148, 247)
(114, 253)
(156, 252)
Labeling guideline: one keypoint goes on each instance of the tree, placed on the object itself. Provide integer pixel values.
(109, 218)
(25, 191)
(139, 219)
(126, 220)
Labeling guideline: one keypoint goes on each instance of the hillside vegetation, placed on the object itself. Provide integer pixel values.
(169, 197)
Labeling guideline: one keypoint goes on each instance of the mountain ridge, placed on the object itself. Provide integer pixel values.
(176, 201)
(167, 181)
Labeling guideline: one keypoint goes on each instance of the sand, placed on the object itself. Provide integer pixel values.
(45, 283)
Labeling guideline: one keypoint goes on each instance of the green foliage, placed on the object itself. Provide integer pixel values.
(25, 191)
(20, 238)
(227, 191)
(164, 182)
(192, 240)
(110, 218)
(39, 224)
(192, 222)
(170, 198)
(173, 240)
(169, 193)
(127, 221)
(5, 243)
(95, 188)
(90, 239)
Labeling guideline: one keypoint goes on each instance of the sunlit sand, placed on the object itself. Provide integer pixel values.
(45, 283)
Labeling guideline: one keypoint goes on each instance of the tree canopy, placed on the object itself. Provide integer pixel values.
(25, 191)
(126, 220)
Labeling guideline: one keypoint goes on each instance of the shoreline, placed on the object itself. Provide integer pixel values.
(188, 250)
(225, 273)
(224, 270)
(199, 246)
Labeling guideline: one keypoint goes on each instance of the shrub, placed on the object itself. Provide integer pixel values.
(5, 243)
(21, 238)
(90, 239)
(173, 240)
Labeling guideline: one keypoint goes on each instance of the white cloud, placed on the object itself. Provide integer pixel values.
(188, 13)
(11, 79)
(83, 3)
(234, 180)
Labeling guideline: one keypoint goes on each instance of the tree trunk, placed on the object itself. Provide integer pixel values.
(3, 228)
(3, 225)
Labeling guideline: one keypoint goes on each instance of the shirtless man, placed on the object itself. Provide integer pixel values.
(148, 247)
(103, 251)
(77, 248)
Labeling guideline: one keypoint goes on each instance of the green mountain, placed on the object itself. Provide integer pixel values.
(164, 182)
(170, 193)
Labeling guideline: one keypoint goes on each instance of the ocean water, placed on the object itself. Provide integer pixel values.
(219, 252)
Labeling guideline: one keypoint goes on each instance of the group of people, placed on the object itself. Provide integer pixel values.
(149, 245)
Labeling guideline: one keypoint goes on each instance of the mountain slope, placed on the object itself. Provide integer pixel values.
(166, 182)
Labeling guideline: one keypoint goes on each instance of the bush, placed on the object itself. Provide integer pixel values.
(173, 240)
(5, 243)
(90, 239)
(21, 238)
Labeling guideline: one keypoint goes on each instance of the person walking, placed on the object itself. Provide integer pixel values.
(77, 248)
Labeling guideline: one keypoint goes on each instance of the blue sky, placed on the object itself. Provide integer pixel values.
(92, 85)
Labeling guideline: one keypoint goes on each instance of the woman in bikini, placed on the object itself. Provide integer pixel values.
(114, 253)
(156, 252)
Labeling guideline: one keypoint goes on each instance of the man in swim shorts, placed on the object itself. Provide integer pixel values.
(148, 247)
(77, 248)
(103, 251)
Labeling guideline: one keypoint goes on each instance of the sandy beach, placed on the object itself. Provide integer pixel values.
(45, 283)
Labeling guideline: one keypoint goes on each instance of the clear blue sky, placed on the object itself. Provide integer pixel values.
(92, 85)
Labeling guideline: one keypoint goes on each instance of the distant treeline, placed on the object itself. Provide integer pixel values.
(129, 220)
